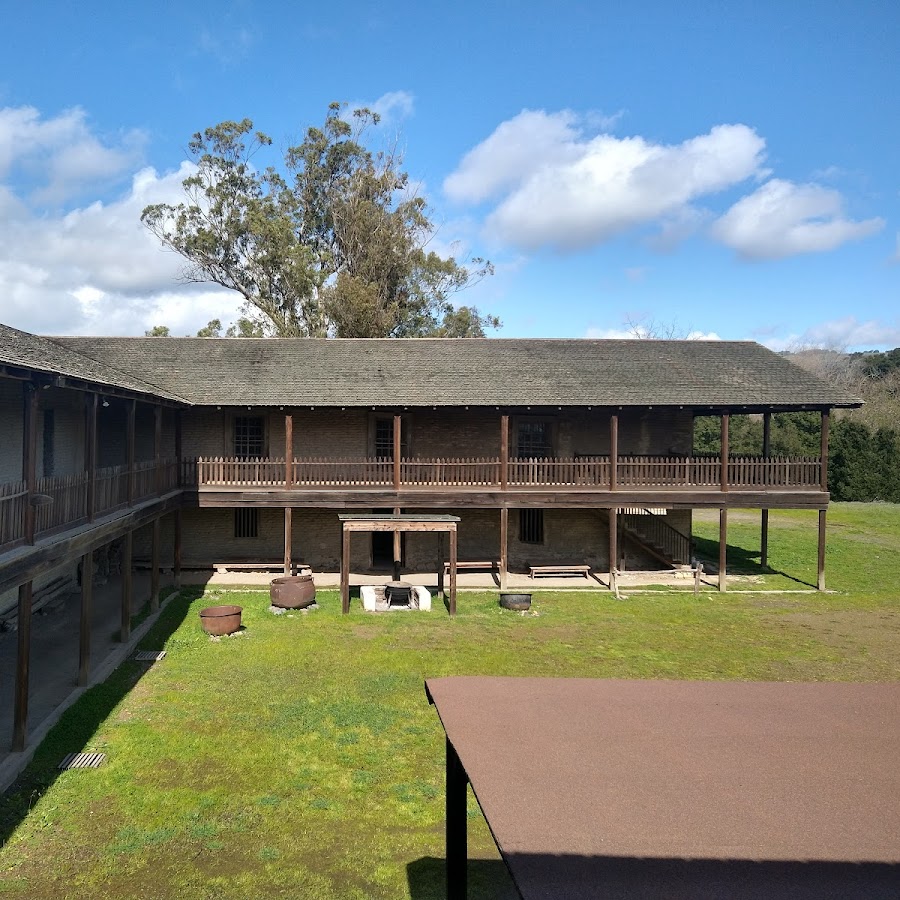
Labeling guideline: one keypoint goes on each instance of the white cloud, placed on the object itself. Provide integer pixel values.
(562, 188)
(641, 332)
(59, 157)
(785, 219)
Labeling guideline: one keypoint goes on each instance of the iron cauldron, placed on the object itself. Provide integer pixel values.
(509, 600)
(220, 620)
(293, 591)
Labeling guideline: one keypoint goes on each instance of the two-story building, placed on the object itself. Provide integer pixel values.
(204, 452)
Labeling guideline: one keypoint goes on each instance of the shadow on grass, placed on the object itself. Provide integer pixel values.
(79, 723)
(740, 560)
(488, 879)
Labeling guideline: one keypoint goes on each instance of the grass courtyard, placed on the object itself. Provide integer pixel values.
(301, 759)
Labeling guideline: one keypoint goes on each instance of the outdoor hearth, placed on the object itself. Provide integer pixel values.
(398, 593)
(395, 595)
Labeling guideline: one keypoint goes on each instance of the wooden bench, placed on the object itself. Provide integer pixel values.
(492, 565)
(535, 571)
(260, 565)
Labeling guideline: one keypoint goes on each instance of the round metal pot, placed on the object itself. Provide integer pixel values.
(220, 620)
(515, 601)
(293, 591)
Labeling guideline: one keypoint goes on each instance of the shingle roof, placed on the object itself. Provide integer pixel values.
(29, 351)
(477, 372)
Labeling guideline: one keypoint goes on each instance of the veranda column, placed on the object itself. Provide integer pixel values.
(820, 581)
(453, 545)
(179, 477)
(723, 471)
(157, 450)
(504, 452)
(823, 484)
(613, 545)
(176, 550)
(129, 449)
(723, 546)
(154, 566)
(613, 452)
(90, 457)
(84, 624)
(345, 570)
(764, 516)
(504, 546)
(289, 452)
(398, 549)
(396, 453)
(288, 538)
(29, 455)
(127, 588)
(23, 661)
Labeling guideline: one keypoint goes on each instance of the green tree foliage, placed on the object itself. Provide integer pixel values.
(158, 331)
(334, 243)
(213, 328)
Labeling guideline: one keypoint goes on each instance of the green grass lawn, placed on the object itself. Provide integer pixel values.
(301, 759)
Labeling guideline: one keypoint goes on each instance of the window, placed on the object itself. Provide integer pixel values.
(249, 436)
(246, 523)
(384, 438)
(49, 441)
(534, 440)
(531, 526)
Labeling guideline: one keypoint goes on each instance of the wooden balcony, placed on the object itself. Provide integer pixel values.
(64, 501)
(588, 474)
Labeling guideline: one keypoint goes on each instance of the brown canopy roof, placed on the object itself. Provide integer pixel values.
(476, 372)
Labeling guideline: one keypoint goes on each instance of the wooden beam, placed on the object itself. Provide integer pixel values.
(613, 451)
(176, 550)
(613, 545)
(130, 417)
(823, 451)
(90, 459)
(157, 449)
(288, 451)
(453, 546)
(23, 662)
(345, 570)
(820, 581)
(397, 446)
(288, 539)
(178, 446)
(29, 455)
(127, 587)
(456, 824)
(723, 474)
(154, 566)
(723, 547)
(398, 548)
(504, 452)
(84, 623)
(504, 547)
(440, 571)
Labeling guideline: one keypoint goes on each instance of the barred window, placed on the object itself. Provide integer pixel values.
(534, 440)
(246, 523)
(249, 436)
(531, 526)
(384, 438)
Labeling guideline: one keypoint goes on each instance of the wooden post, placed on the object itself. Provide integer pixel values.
(23, 661)
(613, 545)
(440, 573)
(90, 459)
(764, 517)
(157, 450)
(29, 455)
(504, 546)
(129, 448)
(345, 571)
(127, 587)
(453, 537)
(823, 451)
(456, 837)
(154, 567)
(178, 448)
(84, 625)
(723, 546)
(820, 582)
(176, 551)
(397, 549)
(396, 453)
(288, 538)
(288, 455)
(504, 452)
(613, 454)
(723, 478)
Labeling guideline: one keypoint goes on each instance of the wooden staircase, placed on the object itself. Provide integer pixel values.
(653, 534)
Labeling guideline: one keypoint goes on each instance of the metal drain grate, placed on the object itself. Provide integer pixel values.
(83, 761)
(149, 655)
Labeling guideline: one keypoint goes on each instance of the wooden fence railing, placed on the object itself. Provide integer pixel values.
(13, 498)
(593, 472)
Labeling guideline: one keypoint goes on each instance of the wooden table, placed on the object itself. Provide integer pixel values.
(667, 789)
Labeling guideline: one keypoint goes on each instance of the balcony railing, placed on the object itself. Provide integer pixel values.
(63, 501)
(591, 473)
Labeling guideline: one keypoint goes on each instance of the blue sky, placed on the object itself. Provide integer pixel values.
(726, 168)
